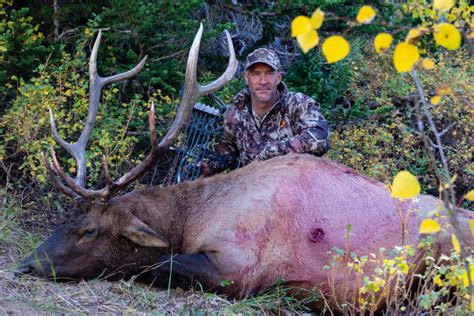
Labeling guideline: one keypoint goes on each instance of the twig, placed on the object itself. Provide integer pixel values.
(124, 130)
(449, 199)
(168, 56)
(56, 20)
(77, 307)
(444, 131)
(92, 292)
(7, 181)
(67, 32)
(136, 133)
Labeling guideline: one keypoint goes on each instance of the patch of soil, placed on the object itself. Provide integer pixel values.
(31, 296)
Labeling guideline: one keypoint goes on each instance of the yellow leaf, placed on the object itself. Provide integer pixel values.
(300, 25)
(429, 226)
(308, 40)
(405, 185)
(404, 267)
(437, 280)
(472, 303)
(435, 100)
(465, 279)
(382, 42)
(317, 19)
(428, 64)
(366, 14)
(68, 92)
(455, 242)
(471, 225)
(413, 35)
(470, 196)
(405, 56)
(335, 48)
(443, 5)
(447, 35)
(444, 89)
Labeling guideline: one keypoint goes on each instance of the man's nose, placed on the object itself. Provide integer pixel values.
(263, 79)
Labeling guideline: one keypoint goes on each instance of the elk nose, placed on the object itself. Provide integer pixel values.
(23, 269)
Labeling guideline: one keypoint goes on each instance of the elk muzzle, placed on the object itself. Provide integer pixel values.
(37, 264)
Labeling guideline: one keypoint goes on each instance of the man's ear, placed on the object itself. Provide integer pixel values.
(142, 234)
(279, 77)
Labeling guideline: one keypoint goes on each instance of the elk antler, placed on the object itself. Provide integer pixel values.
(192, 92)
(96, 83)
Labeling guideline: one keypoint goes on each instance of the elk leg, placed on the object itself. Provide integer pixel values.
(186, 270)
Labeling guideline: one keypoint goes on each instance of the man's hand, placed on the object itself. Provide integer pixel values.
(206, 169)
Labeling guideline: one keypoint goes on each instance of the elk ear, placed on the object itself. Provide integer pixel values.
(142, 234)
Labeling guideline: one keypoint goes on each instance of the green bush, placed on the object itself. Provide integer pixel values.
(22, 47)
(387, 141)
(63, 87)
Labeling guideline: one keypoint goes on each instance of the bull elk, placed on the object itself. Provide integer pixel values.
(269, 221)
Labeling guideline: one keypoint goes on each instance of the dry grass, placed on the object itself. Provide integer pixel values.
(29, 295)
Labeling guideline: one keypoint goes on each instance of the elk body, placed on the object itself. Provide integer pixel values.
(269, 221)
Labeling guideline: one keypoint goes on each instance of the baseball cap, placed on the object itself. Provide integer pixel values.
(263, 55)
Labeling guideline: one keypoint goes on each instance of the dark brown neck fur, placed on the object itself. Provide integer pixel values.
(168, 209)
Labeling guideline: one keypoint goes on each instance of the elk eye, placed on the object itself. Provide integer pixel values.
(89, 232)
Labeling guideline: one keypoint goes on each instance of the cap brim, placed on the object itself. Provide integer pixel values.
(260, 62)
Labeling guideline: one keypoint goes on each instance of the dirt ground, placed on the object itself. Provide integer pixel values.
(32, 296)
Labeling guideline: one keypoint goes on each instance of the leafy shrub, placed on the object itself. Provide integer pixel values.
(441, 287)
(325, 83)
(22, 46)
(63, 87)
(388, 141)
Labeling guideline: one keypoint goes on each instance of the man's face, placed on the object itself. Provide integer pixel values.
(262, 81)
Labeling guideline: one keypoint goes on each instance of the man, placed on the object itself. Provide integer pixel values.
(266, 120)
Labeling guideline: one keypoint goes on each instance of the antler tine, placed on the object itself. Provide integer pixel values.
(228, 74)
(102, 81)
(106, 172)
(192, 90)
(190, 94)
(78, 190)
(126, 75)
(53, 176)
(56, 136)
(93, 59)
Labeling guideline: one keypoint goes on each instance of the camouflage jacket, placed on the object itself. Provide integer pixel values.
(293, 124)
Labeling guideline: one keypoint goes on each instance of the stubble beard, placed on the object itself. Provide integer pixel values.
(263, 100)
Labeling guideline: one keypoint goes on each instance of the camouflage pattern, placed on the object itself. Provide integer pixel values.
(293, 124)
(263, 55)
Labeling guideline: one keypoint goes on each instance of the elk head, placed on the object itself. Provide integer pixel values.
(102, 232)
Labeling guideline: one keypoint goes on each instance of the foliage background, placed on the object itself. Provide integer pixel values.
(44, 55)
